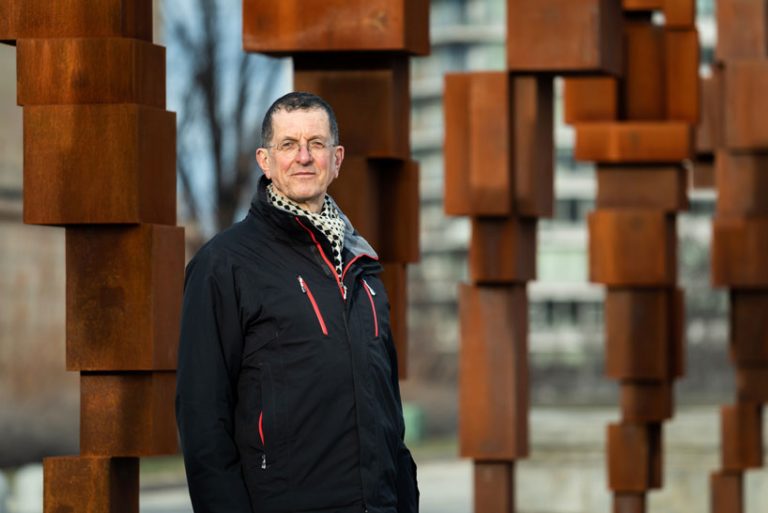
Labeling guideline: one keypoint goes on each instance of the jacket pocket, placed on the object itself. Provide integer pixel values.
(305, 289)
(370, 293)
(267, 419)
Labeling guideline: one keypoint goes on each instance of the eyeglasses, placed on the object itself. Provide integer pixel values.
(291, 147)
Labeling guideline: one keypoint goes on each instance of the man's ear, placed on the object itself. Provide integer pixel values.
(338, 158)
(262, 159)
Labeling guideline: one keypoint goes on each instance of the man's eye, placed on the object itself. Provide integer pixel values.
(317, 145)
(287, 146)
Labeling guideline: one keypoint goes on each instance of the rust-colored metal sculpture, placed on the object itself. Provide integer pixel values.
(354, 53)
(99, 160)
(499, 152)
(740, 235)
(639, 133)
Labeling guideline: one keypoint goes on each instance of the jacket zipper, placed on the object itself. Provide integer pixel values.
(342, 287)
(263, 445)
(370, 292)
(305, 290)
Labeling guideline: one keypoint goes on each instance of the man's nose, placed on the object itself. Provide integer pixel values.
(303, 156)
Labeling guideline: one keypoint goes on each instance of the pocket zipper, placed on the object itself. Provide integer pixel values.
(263, 445)
(369, 290)
(305, 289)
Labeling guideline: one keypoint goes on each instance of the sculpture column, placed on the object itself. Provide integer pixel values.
(99, 160)
(740, 237)
(499, 168)
(639, 130)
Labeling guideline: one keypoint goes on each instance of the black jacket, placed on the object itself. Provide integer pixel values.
(287, 395)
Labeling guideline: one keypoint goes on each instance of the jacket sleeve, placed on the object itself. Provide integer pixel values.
(407, 485)
(209, 362)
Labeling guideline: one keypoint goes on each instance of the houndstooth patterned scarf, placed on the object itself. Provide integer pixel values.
(327, 221)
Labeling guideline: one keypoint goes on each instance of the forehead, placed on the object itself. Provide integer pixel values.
(301, 123)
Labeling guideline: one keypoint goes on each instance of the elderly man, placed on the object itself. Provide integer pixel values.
(287, 395)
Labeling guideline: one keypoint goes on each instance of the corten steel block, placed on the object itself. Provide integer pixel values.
(395, 281)
(533, 145)
(356, 191)
(680, 13)
(294, 26)
(677, 359)
(399, 214)
(662, 187)
(94, 164)
(564, 36)
(588, 99)
(90, 70)
(749, 328)
(643, 94)
(726, 492)
(494, 358)
(634, 457)
(642, 5)
(359, 96)
(752, 384)
(741, 436)
(124, 288)
(638, 334)
(629, 503)
(709, 134)
(632, 248)
(90, 484)
(127, 414)
(742, 184)
(634, 142)
(499, 149)
(646, 401)
(502, 250)
(494, 487)
(745, 83)
(683, 94)
(703, 174)
(739, 246)
(741, 30)
(26, 19)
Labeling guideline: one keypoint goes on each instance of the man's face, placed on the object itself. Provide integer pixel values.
(301, 159)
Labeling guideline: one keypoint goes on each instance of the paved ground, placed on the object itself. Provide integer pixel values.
(445, 488)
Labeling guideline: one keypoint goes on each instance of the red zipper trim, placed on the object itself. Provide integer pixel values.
(305, 289)
(328, 262)
(373, 307)
(358, 257)
(261, 427)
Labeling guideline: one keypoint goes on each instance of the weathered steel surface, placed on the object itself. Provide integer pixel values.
(399, 214)
(741, 30)
(632, 247)
(644, 402)
(634, 457)
(644, 97)
(95, 164)
(91, 484)
(502, 250)
(749, 327)
(681, 71)
(357, 194)
(124, 286)
(659, 187)
(294, 26)
(564, 36)
(727, 493)
(742, 184)
(127, 414)
(634, 142)
(499, 147)
(90, 70)
(741, 438)
(745, 83)
(494, 487)
(589, 99)
(739, 246)
(26, 19)
(493, 357)
(629, 502)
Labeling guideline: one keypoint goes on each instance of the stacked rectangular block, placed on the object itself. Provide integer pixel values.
(99, 160)
(499, 152)
(355, 54)
(740, 236)
(638, 128)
